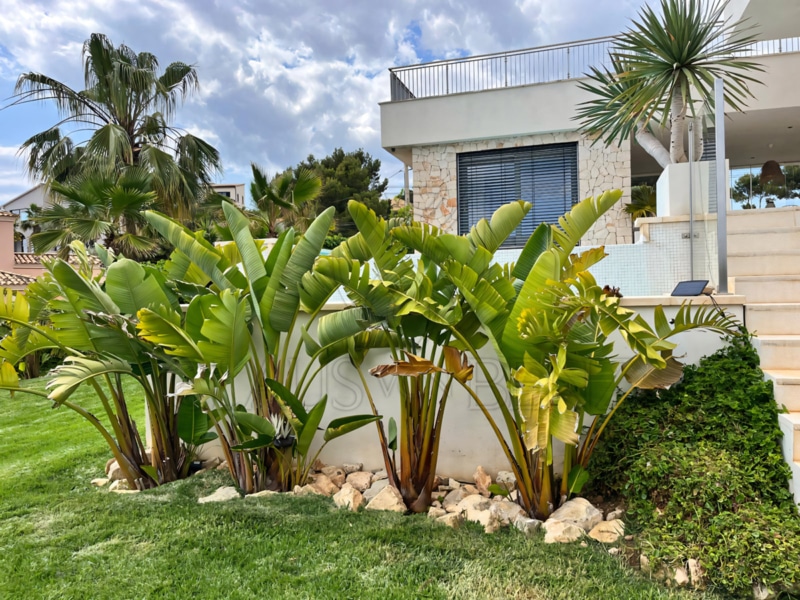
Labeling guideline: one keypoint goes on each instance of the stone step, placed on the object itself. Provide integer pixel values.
(790, 427)
(786, 385)
(767, 288)
(779, 262)
(780, 352)
(764, 240)
(768, 218)
(773, 318)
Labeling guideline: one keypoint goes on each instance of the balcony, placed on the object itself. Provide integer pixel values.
(545, 64)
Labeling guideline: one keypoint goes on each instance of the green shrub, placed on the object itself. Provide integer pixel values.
(700, 466)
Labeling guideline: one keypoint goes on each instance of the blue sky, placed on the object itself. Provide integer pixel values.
(279, 80)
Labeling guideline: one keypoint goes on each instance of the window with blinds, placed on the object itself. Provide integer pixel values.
(546, 176)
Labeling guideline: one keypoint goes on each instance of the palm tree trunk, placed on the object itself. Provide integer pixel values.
(652, 145)
(677, 122)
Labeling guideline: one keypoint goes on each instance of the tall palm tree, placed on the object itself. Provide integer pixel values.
(661, 66)
(128, 106)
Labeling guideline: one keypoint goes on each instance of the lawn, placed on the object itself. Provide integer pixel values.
(62, 538)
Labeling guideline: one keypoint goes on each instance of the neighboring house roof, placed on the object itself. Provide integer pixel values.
(29, 258)
(37, 193)
(14, 279)
(5, 213)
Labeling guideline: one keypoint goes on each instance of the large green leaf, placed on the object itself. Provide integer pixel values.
(162, 327)
(492, 234)
(75, 371)
(251, 258)
(343, 425)
(218, 323)
(129, 286)
(193, 423)
(291, 406)
(306, 435)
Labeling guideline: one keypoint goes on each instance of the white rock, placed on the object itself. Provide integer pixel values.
(352, 467)
(222, 466)
(696, 572)
(100, 481)
(763, 592)
(119, 485)
(506, 479)
(681, 577)
(125, 491)
(613, 551)
(114, 471)
(361, 480)
(613, 515)
(561, 531)
(323, 484)
(388, 499)
(453, 483)
(450, 502)
(306, 490)
(262, 494)
(348, 497)
(470, 489)
(375, 489)
(482, 481)
(222, 494)
(507, 512)
(380, 474)
(453, 520)
(580, 512)
(608, 532)
(527, 526)
(472, 506)
(336, 475)
(644, 563)
(435, 513)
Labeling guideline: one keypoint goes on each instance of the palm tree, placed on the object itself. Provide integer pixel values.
(660, 68)
(643, 202)
(128, 106)
(288, 200)
(106, 207)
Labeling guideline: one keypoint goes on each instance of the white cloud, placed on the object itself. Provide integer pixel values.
(280, 80)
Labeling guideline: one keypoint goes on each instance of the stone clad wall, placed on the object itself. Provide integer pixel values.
(599, 169)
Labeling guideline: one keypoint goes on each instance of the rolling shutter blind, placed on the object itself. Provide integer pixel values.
(546, 176)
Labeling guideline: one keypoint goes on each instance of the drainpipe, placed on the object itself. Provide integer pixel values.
(691, 199)
(722, 200)
(405, 184)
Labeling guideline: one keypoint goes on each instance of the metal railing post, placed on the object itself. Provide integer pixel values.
(722, 185)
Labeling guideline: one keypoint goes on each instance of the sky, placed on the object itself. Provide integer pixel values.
(278, 80)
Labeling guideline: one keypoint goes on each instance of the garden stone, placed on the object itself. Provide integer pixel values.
(212, 463)
(453, 520)
(348, 497)
(361, 480)
(335, 474)
(352, 467)
(696, 572)
(681, 577)
(527, 526)
(580, 512)
(436, 504)
(453, 483)
(222, 494)
(435, 513)
(506, 479)
(471, 506)
(380, 474)
(375, 489)
(613, 551)
(119, 484)
(261, 494)
(323, 484)
(561, 532)
(114, 471)
(608, 532)
(306, 490)
(762, 592)
(644, 564)
(100, 481)
(452, 499)
(482, 481)
(388, 499)
(470, 489)
(118, 491)
(222, 466)
(507, 512)
(613, 515)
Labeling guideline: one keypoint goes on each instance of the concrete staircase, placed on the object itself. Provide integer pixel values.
(764, 266)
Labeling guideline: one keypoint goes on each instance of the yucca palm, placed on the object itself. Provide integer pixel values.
(129, 107)
(662, 67)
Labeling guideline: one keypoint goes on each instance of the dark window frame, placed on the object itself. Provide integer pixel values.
(546, 175)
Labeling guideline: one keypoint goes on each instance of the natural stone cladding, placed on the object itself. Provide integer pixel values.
(599, 169)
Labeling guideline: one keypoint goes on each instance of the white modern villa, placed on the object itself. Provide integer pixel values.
(480, 131)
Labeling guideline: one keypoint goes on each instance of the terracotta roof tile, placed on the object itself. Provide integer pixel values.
(14, 279)
(5, 213)
(29, 258)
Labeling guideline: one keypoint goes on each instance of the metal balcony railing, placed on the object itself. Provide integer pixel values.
(545, 64)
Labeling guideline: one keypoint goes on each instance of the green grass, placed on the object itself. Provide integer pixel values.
(62, 538)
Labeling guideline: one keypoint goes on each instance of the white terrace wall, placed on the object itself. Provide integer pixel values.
(599, 169)
(468, 441)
